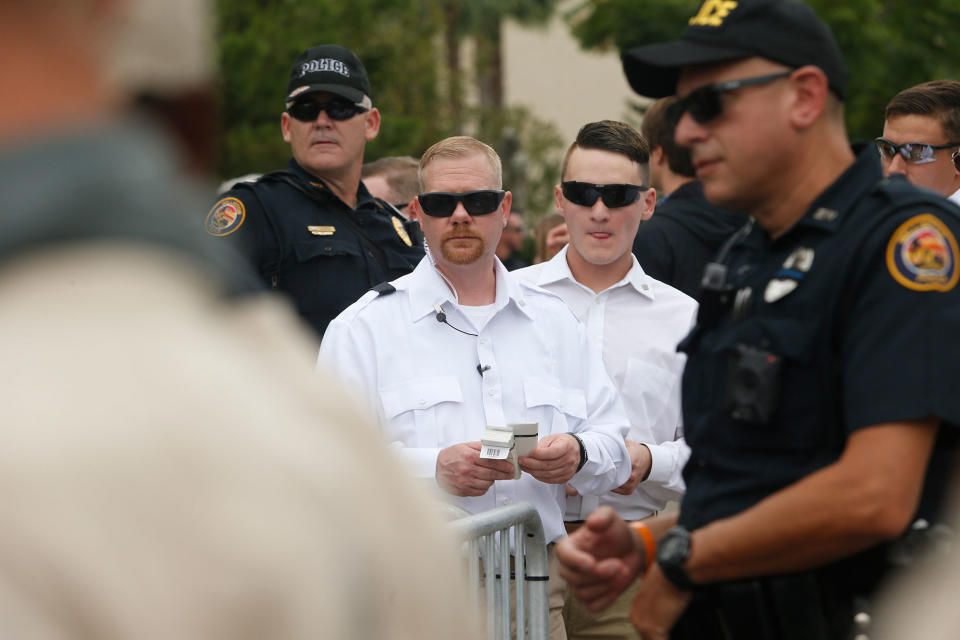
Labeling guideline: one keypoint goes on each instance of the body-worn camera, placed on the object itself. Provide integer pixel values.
(753, 384)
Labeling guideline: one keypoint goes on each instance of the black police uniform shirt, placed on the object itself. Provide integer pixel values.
(301, 245)
(683, 235)
(847, 320)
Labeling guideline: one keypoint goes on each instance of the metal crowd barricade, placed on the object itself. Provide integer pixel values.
(487, 536)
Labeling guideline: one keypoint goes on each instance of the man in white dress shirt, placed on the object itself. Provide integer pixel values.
(456, 346)
(637, 321)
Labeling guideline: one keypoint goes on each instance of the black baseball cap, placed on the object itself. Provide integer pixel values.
(785, 31)
(330, 68)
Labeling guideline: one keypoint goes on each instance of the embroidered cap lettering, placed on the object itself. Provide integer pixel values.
(713, 13)
(922, 255)
(324, 64)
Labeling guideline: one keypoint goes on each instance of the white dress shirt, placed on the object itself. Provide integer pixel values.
(421, 377)
(637, 323)
(955, 198)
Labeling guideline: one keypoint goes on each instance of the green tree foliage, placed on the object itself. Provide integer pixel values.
(889, 45)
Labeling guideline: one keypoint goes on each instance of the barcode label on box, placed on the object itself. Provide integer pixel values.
(494, 453)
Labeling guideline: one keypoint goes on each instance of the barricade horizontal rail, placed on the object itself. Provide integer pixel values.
(487, 537)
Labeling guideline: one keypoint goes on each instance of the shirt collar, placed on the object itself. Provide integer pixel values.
(427, 287)
(828, 210)
(557, 269)
(363, 195)
(955, 198)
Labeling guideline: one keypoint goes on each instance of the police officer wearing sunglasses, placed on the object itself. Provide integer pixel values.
(816, 398)
(921, 137)
(458, 345)
(313, 230)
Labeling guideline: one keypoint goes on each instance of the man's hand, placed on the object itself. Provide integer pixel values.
(657, 606)
(556, 239)
(600, 559)
(462, 472)
(555, 459)
(640, 461)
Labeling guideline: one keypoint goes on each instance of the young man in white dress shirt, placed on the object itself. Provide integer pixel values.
(456, 346)
(636, 320)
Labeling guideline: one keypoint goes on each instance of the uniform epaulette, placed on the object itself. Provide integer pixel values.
(384, 288)
(899, 189)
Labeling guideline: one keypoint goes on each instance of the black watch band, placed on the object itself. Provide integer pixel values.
(583, 452)
(672, 552)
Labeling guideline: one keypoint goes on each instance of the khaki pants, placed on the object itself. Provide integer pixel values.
(556, 596)
(612, 622)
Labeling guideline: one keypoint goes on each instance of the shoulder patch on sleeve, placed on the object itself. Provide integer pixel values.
(922, 255)
(225, 217)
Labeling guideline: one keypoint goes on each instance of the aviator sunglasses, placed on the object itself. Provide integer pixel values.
(614, 195)
(439, 204)
(706, 103)
(912, 152)
(308, 110)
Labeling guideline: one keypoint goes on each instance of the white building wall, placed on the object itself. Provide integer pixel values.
(547, 71)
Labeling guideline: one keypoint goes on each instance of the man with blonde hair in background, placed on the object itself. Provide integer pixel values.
(393, 179)
(457, 346)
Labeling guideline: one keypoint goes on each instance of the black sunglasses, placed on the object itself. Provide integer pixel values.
(308, 110)
(706, 103)
(614, 195)
(912, 152)
(439, 204)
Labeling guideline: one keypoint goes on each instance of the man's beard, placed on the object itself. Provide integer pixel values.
(461, 255)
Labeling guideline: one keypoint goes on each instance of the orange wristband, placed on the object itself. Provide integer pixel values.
(649, 544)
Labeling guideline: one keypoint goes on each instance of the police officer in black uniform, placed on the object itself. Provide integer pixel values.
(313, 230)
(818, 396)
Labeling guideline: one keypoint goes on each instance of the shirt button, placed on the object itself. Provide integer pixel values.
(597, 301)
(422, 401)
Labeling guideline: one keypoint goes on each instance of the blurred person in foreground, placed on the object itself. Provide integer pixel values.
(922, 603)
(637, 321)
(685, 231)
(393, 179)
(458, 346)
(166, 472)
(921, 137)
(818, 397)
(312, 230)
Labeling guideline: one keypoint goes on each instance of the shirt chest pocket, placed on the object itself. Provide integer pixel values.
(424, 412)
(649, 391)
(557, 409)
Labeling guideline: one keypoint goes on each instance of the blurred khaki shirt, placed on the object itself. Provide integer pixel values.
(171, 467)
